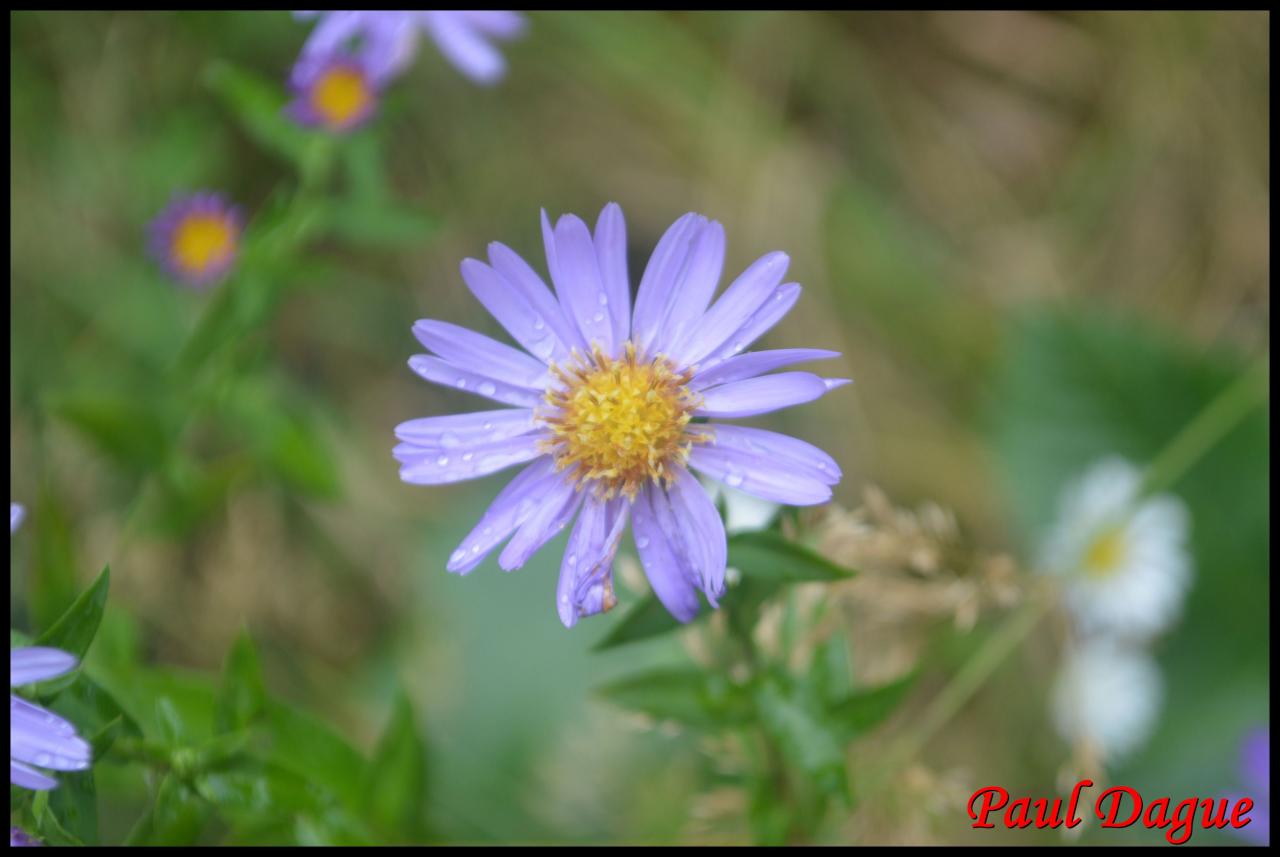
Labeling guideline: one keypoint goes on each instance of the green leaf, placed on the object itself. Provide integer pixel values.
(75, 804)
(244, 695)
(395, 783)
(768, 555)
(646, 618)
(258, 106)
(177, 817)
(702, 700)
(129, 429)
(863, 710)
(308, 747)
(74, 631)
(804, 738)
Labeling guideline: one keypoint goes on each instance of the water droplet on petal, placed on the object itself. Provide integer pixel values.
(462, 383)
(539, 324)
(487, 389)
(457, 555)
(449, 440)
(603, 298)
(443, 460)
(733, 479)
(598, 317)
(642, 542)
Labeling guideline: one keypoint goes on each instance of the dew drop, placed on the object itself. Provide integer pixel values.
(488, 531)
(573, 559)
(598, 317)
(487, 426)
(603, 298)
(457, 555)
(449, 440)
(443, 460)
(486, 388)
(733, 479)
(642, 542)
(462, 383)
(43, 759)
(467, 456)
(539, 324)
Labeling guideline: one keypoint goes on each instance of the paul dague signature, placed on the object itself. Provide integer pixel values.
(1118, 806)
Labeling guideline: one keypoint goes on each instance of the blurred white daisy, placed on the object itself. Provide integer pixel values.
(1122, 558)
(1107, 696)
(742, 511)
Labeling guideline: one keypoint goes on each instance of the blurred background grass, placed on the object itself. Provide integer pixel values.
(985, 210)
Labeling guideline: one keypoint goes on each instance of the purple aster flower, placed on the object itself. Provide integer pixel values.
(336, 94)
(610, 407)
(19, 838)
(195, 237)
(387, 41)
(1255, 771)
(38, 737)
(16, 513)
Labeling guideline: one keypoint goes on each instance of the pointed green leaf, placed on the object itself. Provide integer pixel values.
(244, 694)
(863, 710)
(804, 738)
(395, 784)
(768, 555)
(75, 630)
(690, 696)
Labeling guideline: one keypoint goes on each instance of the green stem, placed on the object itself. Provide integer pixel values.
(972, 675)
(1211, 425)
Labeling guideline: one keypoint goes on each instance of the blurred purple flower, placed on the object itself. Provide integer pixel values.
(38, 737)
(16, 514)
(387, 41)
(606, 407)
(19, 838)
(196, 237)
(1255, 771)
(337, 94)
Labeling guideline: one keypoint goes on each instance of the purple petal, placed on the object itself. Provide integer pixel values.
(513, 310)
(578, 283)
(789, 452)
(38, 663)
(502, 25)
(784, 298)
(16, 514)
(556, 510)
(756, 363)
(427, 465)
(465, 48)
(445, 374)
(761, 395)
(702, 531)
(694, 286)
(526, 281)
(455, 430)
(40, 737)
(1258, 830)
(744, 297)
(611, 253)
(511, 508)
(586, 572)
(770, 479)
(463, 347)
(29, 778)
(669, 576)
(1255, 761)
(658, 283)
(19, 838)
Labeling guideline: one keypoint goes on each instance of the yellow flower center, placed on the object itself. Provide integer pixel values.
(340, 96)
(619, 423)
(201, 241)
(1105, 553)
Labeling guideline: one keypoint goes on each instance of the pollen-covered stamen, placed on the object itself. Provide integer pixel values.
(341, 96)
(202, 241)
(619, 423)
